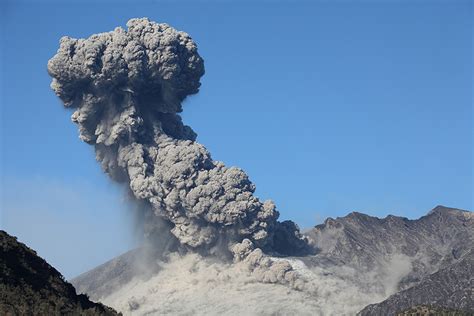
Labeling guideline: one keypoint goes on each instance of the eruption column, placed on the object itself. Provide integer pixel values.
(126, 88)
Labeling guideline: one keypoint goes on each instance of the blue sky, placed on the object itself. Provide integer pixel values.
(330, 107)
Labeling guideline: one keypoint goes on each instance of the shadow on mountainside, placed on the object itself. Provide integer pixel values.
(30, 286)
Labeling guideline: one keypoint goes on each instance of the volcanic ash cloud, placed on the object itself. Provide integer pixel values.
(126, 88)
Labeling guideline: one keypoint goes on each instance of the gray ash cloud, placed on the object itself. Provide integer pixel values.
(126, 88)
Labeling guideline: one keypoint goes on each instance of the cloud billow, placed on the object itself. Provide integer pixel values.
(126, 88)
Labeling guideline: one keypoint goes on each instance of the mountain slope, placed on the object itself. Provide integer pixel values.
(429, 243)
(425, 310)
(450, 287)
(111, 275)
(360, 260)
(30, 286)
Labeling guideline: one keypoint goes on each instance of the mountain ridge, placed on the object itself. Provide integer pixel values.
(438, 246)
(30, 286)
(406, 255)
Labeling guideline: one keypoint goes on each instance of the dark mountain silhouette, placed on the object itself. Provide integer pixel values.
(30, 286)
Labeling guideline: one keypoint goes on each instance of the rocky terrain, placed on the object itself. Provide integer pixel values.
(424, 310)
(385, 265)
(30, 286)
(429, 243)
(438, 247)
(389, 266)
(450, 287)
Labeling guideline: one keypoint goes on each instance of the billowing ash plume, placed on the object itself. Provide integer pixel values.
(126, 87)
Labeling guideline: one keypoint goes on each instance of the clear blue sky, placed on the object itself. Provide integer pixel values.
(329, 107)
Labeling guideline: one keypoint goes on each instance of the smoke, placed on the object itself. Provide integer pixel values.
(196, 285)
(126, 88)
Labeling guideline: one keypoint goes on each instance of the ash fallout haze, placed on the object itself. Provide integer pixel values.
(325, 108)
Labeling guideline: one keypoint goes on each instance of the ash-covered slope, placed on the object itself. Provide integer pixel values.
(361, 260)
(30, 286)
(428, 244)
(450, 287)
(113, 274)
